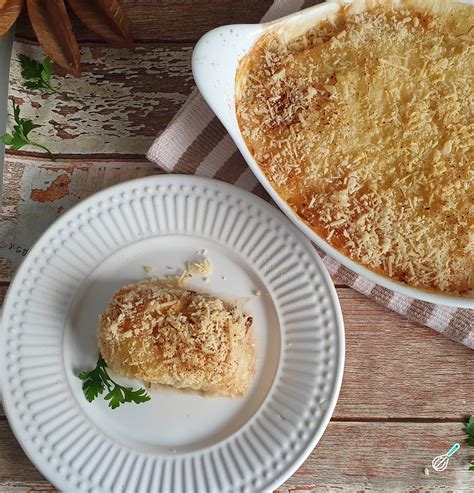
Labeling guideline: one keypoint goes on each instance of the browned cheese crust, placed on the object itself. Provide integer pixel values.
(160, 333)
(364, 126)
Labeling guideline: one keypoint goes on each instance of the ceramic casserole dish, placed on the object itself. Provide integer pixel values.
(215, 62)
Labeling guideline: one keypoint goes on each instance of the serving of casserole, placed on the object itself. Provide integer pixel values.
(357, 118)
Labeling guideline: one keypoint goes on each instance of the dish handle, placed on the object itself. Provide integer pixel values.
(215, 60)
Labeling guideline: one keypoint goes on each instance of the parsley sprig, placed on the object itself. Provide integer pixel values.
(37, 75)
(20, 133)
(469, 430)
(96, 381)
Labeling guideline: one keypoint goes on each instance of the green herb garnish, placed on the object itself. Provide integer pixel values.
(37, 75)
(96, 381)
(469, 430)
(21, 130)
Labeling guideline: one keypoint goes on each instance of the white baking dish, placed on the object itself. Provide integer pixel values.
(215, 61)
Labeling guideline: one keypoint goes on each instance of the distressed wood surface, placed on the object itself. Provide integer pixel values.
(37, 191)
(384, 457)
(350, 457)
(130, 97)
(406, 389)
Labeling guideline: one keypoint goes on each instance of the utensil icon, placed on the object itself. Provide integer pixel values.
(440, 463)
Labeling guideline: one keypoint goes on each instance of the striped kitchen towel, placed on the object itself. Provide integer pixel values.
(195, 142)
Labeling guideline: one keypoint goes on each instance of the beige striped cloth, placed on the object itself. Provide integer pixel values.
(195, 142)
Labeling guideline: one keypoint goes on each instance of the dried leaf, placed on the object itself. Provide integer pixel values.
(53, 30)
(9, 12)
(106, 18)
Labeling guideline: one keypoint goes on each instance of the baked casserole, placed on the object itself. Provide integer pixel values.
(364, 126)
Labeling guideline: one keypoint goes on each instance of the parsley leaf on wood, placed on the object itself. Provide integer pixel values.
(37, 75)
(96, 381)
(20, 133)
(469, 430)
(32, 72)
(469, 427)
(47, 70)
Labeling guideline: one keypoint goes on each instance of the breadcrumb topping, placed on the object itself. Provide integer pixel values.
(159, 332)
(364, 126)
(204, 267)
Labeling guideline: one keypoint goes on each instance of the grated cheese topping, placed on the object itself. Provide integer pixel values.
(159, 332)
(203, 267)
(364, 126)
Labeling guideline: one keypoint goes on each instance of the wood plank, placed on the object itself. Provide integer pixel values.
(3, 292)
(384, 457)
(158, 20)
(37, 191)
(396, 369)
(16, 470)
(349, 457)
(130, 97)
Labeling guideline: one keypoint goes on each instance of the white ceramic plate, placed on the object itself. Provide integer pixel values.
(215, 61)
(176, 441)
